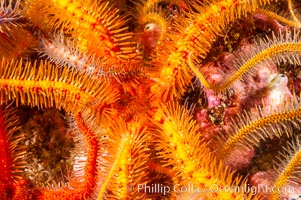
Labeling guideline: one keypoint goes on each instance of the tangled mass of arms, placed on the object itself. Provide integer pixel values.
(150, 99)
